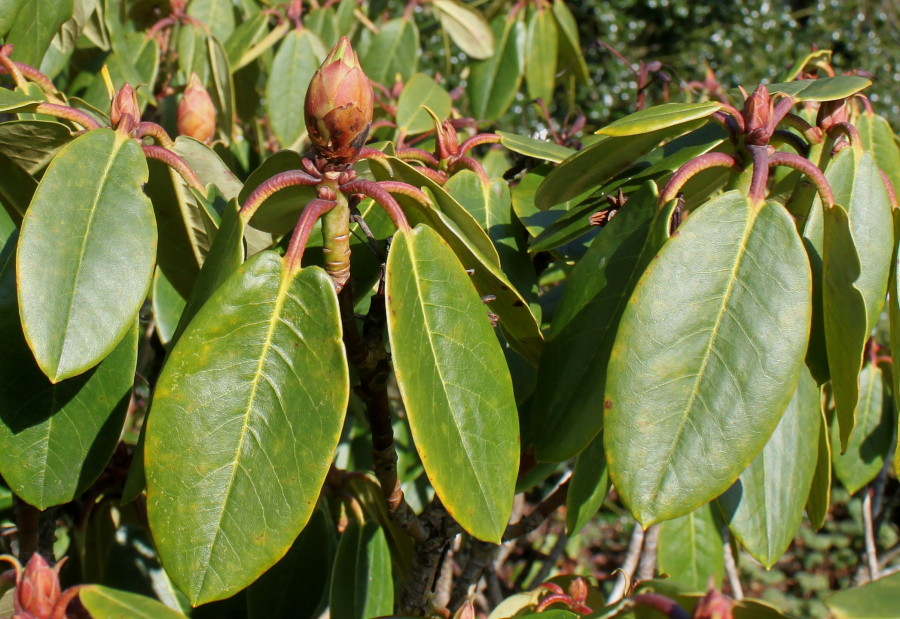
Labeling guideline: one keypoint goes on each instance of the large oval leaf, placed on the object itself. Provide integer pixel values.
(494, 82)
(106, 603)
(764, 507)
(245, 418)
(707, 356)
(660, 117)
(570, 54)
(454, 382)
(874, 600)
(541, 43)
(466, 27)
(877, 136)
(824, 89)
(86, 254)
(296, 61)
(819, 499)
(421, 90)
(361, 584)
(393, 51)
(690, 549)
(35, 24)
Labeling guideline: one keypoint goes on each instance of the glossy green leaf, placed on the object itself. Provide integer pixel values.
(809, 59)
(239, 46)
(660, 117)
(221, 88)
(764, 507)
(588, 488)
(193, 53)
(168, 304)
(14, 100)
(541, 44)
(877, 137)
(690, 550)
(218, 15)
(208, 166)
(572, 372)
(324, 22)
(571, 56)
(295, 586)
(106, 603)
(531, 147)
(300, 54)
(454, 382)
(494, 82)
(361, 585)
(706, 357)
(466, 26)
(266, 348)
(872, 434)
(601, 161)
(823, 89)
(393, 51)
(421, 90)
(34, 26)
(17, 188)
(134, 60)
(819, 499)
(8, 11)
(86, 254)
(874, 600)
(31, 144)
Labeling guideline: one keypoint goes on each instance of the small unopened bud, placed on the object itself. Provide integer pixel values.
(339, 106)
(832, 113)
(757, 111)
(578, 591)
(447, 141)
(38, 590)
(466, 611)
(714, 605)
(125, 113)
(196, 112)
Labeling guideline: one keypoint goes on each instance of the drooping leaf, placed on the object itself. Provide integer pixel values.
(659, 117)
(300, 54)
(706, 357)
(764, 507)
(571, 56)
(31, 144)
(221, 88)
(874, 600)
(541, 43)
(588, 488)
(494, 82)
(877, 136)
(872, 434)
(168, 304)
(393, 51)
(454, 382)
(819, 499)
(572, 373)
(17, 188)
(361, 585)
(421, 90)
(824, 89)
(466, 26)
(601, 161)
(893, 304)
(810, 58)
(35, 24)
(531, 147)
(15, 100)
(107, 603)
(690, 549)
(193, 52)
(296, 585)
(266, 349)
(239, 46)
(86, 253)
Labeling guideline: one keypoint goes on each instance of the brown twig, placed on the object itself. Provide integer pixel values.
(539, 514)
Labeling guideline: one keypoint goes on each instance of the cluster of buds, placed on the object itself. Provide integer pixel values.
(196, 112)
(339, 107)
(575, 598)
(38, 594)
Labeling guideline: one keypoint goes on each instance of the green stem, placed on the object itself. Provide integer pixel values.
(336, 239)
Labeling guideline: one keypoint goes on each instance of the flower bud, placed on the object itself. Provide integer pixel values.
(339, 106)
(196, 112)
(757, 111)
(125, 113)
(38, 589)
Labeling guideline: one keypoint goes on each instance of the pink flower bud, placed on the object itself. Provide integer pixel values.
(125, 113)
(757, 112)
(38, 590)
(196, 112)
(339, 106)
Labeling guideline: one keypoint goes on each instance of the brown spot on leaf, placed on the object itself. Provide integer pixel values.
(607, 405)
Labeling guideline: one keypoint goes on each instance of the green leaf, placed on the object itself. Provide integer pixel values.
(208, 166)
(17, 188)
(34, 26)
(601, 161)
(393, 51)
(810, 58)
(764, 507)
(494, 82)
(266, 348)
(32, 144)
(466, 26)
(8, 11)
(221, 88)
(588, 488)
(874, 600)
(296, 61)
(572, 372)
(324, 23)
(218, 15)
(893, 304)
(106, 603)
(14, 100)
(168, 304)
(361, 584)
(239, 46)
(421, 90)
(134, 60)
(877, 137)
(706, 357)
(660, 117)
(531, 147)
(689, 549)
(541, 43)
(872, 434)
(86, 254)
(294, 587)
(192, 51)
(823, 89)
(819, 499)
(454, 382)
(571, 57)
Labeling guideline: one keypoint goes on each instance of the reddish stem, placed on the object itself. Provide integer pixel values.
(315, 209)
(381, 196)
(812, 134)
(691, 168)
(760, 157)
(478, 140)
(280, 181)
(805, 166)
(661, 603)
(156, 132)
(471, 164)
(892, 195)
(68, 113)
(417, 154)
(176, 163)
